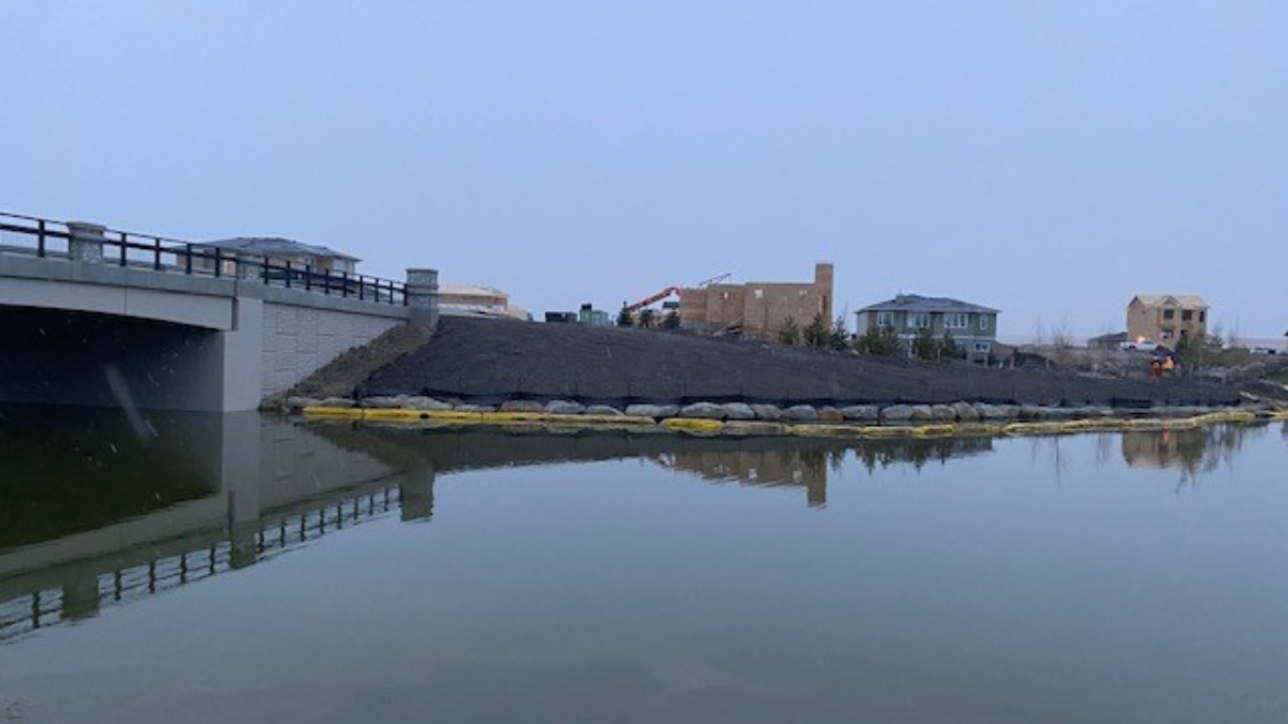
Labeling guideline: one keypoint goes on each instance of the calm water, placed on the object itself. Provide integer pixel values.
(246, 569)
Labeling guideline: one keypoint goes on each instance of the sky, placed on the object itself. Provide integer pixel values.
(1050, 159)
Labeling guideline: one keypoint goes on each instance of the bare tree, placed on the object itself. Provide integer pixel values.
(1062, 343)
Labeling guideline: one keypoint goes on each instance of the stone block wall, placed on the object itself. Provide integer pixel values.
(298, 340)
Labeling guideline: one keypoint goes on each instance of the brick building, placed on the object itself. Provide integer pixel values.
(757, 309)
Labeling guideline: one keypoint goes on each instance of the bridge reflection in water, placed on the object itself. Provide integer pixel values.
(98, 509)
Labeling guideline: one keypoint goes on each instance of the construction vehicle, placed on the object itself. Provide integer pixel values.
(633, 308)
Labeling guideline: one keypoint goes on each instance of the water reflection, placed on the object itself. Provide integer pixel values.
(93, 515)
(1192, 452)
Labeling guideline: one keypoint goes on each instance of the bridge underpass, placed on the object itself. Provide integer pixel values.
(56, 356)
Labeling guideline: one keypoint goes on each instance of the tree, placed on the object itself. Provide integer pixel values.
(789, 333)
(817, 333)
(624, 318)
(948, 347)
(879, 340)
(839, 338)
(924, 345)
(647, 318)
(671, 320)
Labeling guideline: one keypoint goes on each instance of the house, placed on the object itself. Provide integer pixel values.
(972, 326)
(757, 309)
(480, 301)
(278, 251)
(1167, 318)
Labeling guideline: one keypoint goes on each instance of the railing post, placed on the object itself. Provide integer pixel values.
(420, 293)
(326, 281)
(40, 237)
(125, 247)
(288, 273)
(219, 266)
(344, 283)
(156, 261)
(308, 278)
(187, 262)
(361, 296)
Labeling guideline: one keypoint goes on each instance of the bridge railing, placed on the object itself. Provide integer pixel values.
(46, 238)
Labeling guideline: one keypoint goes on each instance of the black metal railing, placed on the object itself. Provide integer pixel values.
(46, 238)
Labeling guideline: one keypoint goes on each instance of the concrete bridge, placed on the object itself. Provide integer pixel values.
(99, 317)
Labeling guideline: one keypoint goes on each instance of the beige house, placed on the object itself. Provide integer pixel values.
(1167, 318)
(478, 300)
(757, 309)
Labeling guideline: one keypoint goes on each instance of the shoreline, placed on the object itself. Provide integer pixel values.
(748, 428)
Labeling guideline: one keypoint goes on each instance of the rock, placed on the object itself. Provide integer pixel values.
(1030, 412)
(657, 412)
(830, 415)
(769, 413)
(522, 406)
(896, 413)
(337, 402)
(943, 413)
(564, 407)
(989, 412)
(921, 413)
(473, 408)
(426, 403)
(1057, 413)
(738, 411)
(801, 413)
(704, 411)
(862, 413)
(603, 410)
(385, 403)
(1010, 412)
(965, 411)
(299, 403)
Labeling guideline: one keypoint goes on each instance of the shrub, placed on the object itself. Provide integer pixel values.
(880, 340)
(789, 333)
(817, 334)
(624, 318)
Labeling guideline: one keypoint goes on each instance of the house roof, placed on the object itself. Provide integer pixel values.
(918, 303)
(1192, 301)
(265, 245)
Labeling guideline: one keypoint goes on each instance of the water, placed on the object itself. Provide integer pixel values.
(242, 569)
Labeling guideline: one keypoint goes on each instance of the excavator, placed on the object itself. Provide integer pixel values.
(654, 298)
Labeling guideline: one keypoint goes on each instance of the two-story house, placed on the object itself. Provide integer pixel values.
(1167, 318)
(974, 327)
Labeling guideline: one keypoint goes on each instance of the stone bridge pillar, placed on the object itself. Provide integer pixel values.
(422, 296)
(86, 242)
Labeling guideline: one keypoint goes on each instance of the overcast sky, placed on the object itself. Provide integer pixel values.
(1048, 158)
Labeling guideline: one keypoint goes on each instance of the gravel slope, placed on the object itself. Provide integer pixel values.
(488, 360)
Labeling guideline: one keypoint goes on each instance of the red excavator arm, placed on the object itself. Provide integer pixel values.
(632, 308)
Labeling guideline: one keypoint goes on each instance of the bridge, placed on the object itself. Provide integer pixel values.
(101, 317)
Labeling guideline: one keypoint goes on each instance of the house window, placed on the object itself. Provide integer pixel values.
(1187, 315)
(983, 322)
(1202, 316)
(1169, 313)
(758, 293)
(956, 320)
(918, 320)
(983, 347)
(885, 319)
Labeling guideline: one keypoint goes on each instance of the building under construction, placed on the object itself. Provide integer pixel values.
(757, 309)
